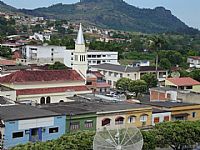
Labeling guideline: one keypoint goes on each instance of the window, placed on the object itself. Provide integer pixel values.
(76, 57)
(51, 59)
(94, 56)
(109, 55)
(109, 82)
(72, 53)
(188, 87)
(53, 130)
(128, 75)
(17, 135)
(115, 74)
(88, 124)
(194, 114)
(166, 118)
(131, 119)
(98, 61)
(156, 120)
(48, 100)
(98, 56)
(106, 122)
(89, 56)
(42, 100)
(52, 49)
(104, 55)
(121, 75)
(119, 120)
(110, 73)
(74, 125)
(143, 118)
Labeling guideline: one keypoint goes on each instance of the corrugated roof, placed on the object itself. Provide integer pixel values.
(118, 68)
(21, 112)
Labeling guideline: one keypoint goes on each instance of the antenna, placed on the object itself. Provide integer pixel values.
(118, 139)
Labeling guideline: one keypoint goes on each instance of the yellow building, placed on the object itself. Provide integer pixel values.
(185, 83)
(179, 111)
(124, 114)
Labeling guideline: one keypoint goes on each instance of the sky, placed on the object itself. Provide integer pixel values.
(186, 10)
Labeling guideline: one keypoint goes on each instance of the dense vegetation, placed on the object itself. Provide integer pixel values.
(7, 27)
(116, 14)
(177, 135)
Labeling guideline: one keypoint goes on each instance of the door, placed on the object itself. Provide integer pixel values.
(35, 135)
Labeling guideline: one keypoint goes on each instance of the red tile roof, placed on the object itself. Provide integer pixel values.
(195, 57)
(97, 74)
(7, 62)
(51, 90)
(24, 76)
(186, 81)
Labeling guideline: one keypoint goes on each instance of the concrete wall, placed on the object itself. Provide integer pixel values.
(189, 97)
(37, 85)
(9, 94)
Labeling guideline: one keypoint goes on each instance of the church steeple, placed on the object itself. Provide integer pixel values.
(80, 39)
(80, 63)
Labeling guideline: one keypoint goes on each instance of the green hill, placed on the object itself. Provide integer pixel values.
(6, 8)
(115, 14)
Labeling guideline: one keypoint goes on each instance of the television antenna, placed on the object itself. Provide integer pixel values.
(118, 139)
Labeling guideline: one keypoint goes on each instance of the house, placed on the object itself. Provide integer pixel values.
(140, 63)
(194, 61)
(172, 94)
(21, 124)
(45, 86)
(184, 83)
(179, 110)
(96, 82)
(159, 116)
(96, 57)
(113, 72)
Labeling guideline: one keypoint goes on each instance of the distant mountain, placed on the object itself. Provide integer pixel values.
(6, 8)
(115, 14)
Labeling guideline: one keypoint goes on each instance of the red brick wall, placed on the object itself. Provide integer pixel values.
(155, 95)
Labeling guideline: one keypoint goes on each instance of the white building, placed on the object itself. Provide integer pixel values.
(100, 57)
(194, 61)
(159, 116)
(50, 54)
(46, 55)
(141, 63)
(113, 72)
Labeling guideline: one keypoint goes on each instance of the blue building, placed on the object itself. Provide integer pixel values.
(20, 124)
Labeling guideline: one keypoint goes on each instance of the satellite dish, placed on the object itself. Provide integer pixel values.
(175, 74)
(118, 139)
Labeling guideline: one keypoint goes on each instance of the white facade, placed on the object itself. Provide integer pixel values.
(194, 62)
(80, 63)
(161, 117)
(100, 57)
(47, 55)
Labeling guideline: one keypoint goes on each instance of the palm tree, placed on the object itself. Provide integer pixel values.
(155, 44)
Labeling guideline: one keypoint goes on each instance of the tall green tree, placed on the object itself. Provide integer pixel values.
(150, 79)
(137, 87)
(123, 84)
(177, 135)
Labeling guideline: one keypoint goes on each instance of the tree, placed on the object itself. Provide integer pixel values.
(165, 64)
(123, 83)
(137, 86)
(177, 135)
(5, 52)
(195, 74)
(150, 79)
(57, 66)
(149, 140)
